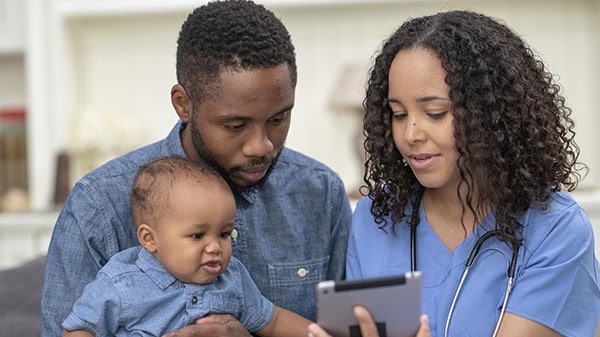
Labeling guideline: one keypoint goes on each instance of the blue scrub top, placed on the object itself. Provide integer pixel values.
(557, 278)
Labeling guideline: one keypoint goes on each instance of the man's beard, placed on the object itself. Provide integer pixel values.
(210, 159)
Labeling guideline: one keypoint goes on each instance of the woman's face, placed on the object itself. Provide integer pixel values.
(422, 117)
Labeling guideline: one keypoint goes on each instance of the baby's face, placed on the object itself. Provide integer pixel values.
(193, 238)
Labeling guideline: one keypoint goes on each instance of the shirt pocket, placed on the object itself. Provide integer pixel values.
(223, 302)
(297, 272)
(293, 284)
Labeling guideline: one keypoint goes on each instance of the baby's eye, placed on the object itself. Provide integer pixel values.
(197, 236)
(225, 235)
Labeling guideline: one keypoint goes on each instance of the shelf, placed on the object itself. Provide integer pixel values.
(27, 221)
(24, 235)
(11, 51)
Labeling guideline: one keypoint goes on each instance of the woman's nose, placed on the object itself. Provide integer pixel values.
(414, 132)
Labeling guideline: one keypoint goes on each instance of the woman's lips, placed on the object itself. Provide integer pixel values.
(423, 161)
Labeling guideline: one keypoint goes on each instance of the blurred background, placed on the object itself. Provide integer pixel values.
(83, 81)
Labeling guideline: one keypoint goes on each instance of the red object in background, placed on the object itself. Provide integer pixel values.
(12, 114)
(13, 156)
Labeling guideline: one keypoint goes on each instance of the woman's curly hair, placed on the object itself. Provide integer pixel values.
(235, 34)
(513, 132)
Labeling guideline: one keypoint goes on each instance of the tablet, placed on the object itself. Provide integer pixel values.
(393, 301)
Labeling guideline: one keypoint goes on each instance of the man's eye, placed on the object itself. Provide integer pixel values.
(276, 120)
(279, 118)
(197, 236)
(235, 127)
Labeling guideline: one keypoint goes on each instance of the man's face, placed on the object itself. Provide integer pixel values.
(243, 128)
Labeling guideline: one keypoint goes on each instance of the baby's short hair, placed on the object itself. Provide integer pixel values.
(154, 181)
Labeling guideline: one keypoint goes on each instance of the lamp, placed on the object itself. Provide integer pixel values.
(349, 90)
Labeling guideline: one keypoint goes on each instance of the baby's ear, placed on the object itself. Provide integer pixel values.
(146, 234)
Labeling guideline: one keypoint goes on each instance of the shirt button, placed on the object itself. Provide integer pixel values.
(302, 272)
(194, 299)
(234, 234)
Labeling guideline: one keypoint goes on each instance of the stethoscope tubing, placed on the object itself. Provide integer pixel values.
(474, 251)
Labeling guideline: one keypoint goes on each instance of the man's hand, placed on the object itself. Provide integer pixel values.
(214, 325)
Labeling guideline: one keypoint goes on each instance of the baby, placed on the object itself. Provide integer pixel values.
(184, 214)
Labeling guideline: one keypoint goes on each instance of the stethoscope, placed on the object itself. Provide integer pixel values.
(510, 272)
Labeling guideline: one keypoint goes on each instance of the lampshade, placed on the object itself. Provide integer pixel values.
(349, 90)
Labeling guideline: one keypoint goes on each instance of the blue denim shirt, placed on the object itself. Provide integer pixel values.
(134, 294)
(292, 230)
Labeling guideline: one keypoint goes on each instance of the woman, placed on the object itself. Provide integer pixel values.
(466, 134)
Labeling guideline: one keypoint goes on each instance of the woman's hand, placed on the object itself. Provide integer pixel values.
(367, 325)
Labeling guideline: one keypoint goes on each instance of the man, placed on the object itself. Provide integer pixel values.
(236, 74)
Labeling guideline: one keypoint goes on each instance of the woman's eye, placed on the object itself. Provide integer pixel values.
(437, 115)
(399, 115)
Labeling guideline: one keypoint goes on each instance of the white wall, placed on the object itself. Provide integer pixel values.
(121, 64)
(115, 58)
(103, 70)
(327, 38)
(110, 65)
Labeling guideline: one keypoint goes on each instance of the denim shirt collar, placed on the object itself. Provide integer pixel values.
(249, 193)
(155, 271)
(173, 143)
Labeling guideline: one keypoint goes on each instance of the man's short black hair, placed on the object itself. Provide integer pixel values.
(235, 34)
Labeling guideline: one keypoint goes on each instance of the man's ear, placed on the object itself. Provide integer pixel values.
(146, 236)
(182, 102)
